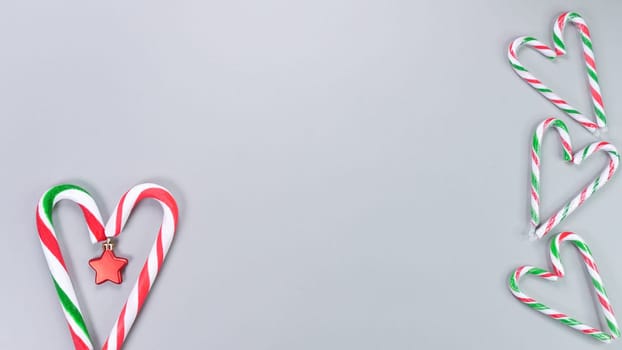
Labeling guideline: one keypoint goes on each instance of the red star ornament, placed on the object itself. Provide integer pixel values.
(108, 267)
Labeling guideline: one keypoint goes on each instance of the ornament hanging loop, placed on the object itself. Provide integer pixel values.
(108, 244)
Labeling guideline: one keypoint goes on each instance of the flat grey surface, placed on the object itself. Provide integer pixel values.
(350, 174)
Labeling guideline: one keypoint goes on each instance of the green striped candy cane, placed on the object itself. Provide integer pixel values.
(56, 262)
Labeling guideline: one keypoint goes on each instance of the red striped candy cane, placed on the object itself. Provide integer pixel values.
(156, 257)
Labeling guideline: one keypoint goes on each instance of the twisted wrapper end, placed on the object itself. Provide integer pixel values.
(531, 233)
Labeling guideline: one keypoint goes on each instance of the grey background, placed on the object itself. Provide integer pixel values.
(350, 174)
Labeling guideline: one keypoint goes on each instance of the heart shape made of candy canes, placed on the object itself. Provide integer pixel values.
(558, 272)
(99, 233)
(559, 49)
(538, 229)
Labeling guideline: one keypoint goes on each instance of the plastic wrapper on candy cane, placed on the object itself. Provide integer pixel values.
(539, 228)
(558, 272)
(559, 49)
(62, 281)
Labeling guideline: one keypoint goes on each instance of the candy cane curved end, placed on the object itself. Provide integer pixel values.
(79, 196)
(135, 195)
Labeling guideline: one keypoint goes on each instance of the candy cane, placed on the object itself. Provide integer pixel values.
(53, 255)
(588, 57)
(589, 190)
(562, 131)
(558, 272)
(156, 257)
(560, 50)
